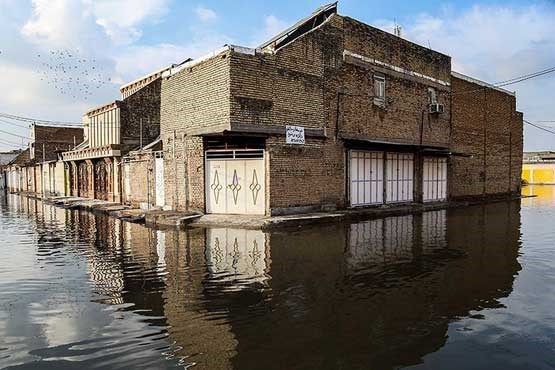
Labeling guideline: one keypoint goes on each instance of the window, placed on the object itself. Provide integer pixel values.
(379, 89)
(432, 95)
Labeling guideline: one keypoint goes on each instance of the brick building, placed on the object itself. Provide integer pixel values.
(38, 169)
(382, 118)
(5, 159)
(143, 176)
(112, 131)
(487, 131)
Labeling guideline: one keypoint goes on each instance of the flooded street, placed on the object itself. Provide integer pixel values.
(469, 288)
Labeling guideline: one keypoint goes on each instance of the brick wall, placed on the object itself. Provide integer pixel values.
(52, 139)
(193, 98)
(487, 141)
(141, 106)
(299, 85)
(139, 174)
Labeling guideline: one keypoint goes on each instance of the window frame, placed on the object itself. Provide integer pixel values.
(379, 80)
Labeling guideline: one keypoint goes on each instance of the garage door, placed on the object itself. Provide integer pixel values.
(434, 179)
(235, 181)
(399, 177)
(366, 177)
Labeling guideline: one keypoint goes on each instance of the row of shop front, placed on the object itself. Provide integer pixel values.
(236, 180)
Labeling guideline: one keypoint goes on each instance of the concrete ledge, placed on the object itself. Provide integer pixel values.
(159, 219)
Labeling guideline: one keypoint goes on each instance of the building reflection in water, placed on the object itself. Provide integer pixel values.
(543, 195)
(375, 294)
(240, 257)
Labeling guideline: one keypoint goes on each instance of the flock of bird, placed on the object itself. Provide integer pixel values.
(71, 74)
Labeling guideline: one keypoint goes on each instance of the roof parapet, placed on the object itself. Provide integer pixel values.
(191, 63)
(480, 82)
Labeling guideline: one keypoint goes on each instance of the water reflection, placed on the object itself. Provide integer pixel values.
(375, 294)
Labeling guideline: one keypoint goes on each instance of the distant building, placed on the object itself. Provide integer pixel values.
(111, 132)
(539, 168)
(5, 159)
(38, 170)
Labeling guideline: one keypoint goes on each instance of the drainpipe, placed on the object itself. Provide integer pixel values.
(186, 171)
(175, 198)
(484, 189)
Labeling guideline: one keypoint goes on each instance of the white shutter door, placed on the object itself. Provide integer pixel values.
(434, 179)
(399, 177)
(160, 193)
(366, 178)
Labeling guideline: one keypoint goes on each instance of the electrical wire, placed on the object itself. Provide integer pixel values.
(8, 142)
(35, 120)
(511, 81)
(539, 127)
(16, 135)
(14, 124)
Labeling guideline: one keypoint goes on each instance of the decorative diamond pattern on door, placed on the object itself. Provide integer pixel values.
(236, 183)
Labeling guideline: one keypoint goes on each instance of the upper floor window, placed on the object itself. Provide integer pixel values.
(379, 89)
(432, 95)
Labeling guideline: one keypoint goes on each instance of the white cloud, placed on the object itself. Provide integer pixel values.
(206, 14)
(496, 43)
(58, 23)
(74, 23)
(272, 26)
(137, 61)
(121, 19)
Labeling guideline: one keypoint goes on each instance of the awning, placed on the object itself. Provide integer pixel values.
(362, 143)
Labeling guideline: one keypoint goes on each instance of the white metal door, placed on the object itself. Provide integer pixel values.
(127, 181)
(235, 182)
(399, 177)
(159, 174)
(366, 177)
(434, 179)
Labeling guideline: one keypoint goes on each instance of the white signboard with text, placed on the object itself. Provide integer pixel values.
(294, 135)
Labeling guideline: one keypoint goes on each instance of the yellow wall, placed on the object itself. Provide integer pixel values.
(539, 173)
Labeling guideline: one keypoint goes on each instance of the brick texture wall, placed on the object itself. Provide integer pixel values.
(487, 141)
(299, 85)
(193, 98)
(312, 82)
(139, 174)
(142, 106)
(53, 139)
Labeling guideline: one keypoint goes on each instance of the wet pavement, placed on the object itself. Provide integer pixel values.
(470, 288)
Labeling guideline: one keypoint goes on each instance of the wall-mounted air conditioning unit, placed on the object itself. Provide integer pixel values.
(436, 108)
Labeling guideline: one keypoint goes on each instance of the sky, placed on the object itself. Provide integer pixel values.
(58, 58)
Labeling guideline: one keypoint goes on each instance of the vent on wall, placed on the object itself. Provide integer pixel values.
(234, 154)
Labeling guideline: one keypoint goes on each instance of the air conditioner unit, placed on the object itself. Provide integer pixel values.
(435, 108)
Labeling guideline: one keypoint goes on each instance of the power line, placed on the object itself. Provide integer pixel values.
(36, 120)
(9, 133)
(511, 81)
(534, 74)
(527, 77)
(14, 124)
(11, 143)
(539, 127)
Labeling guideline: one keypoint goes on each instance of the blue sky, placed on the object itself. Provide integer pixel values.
(115, 41)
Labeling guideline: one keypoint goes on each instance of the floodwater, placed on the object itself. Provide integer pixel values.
(469, 288)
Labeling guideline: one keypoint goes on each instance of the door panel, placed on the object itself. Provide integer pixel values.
(399, 177)
(216, 187)
(366, 177)
(236, 193)
(434, 179)
(160, 193)
(235, 186)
